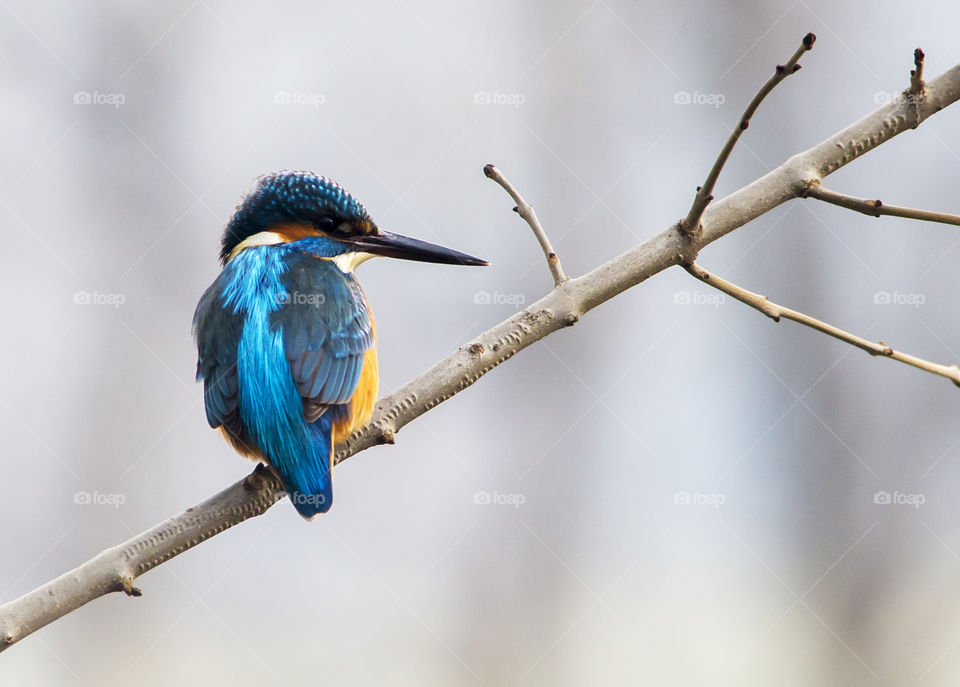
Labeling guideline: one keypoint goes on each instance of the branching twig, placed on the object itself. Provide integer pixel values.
(875, 208)
(775, 312)
(526, 211)
(114, 569)
(691, 223)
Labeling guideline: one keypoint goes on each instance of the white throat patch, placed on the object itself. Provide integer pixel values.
(264, 238)
(348, 262)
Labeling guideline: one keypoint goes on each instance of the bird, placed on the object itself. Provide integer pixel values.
(286, 341)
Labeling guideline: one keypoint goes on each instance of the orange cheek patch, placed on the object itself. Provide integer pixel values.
(294, 231)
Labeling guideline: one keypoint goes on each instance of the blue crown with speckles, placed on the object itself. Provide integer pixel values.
(301, 197)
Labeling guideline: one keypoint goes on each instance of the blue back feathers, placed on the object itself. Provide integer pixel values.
(281, 337)
(281, 334)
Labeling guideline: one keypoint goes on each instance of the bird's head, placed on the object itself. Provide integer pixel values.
(291, 206)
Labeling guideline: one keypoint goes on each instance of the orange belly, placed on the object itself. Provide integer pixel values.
(363, 399)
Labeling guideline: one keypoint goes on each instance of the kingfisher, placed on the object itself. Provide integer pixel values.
(285, 338)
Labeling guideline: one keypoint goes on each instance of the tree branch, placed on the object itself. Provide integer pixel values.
(116, 568)
(876, 208)
(775, 312)
(526, 211)
(691, 223)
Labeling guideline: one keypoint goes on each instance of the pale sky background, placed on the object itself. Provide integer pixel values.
(130, 132)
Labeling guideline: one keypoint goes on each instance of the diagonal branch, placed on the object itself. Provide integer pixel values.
(775, 312)
(116, 568)
(691, 223)
(526, 211)
(875, 208)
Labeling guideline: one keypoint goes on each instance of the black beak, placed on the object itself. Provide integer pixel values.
(403, 247)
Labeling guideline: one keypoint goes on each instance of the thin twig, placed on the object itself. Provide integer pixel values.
(775, 312)
(691, 223)
(875, 208)
(526, 211)
(916, 74)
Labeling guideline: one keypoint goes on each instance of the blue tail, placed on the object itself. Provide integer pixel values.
(272, 413)
(309, 482)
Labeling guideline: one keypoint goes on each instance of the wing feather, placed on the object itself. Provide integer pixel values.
(326, 329)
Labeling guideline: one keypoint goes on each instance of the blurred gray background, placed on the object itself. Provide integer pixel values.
(533, 530)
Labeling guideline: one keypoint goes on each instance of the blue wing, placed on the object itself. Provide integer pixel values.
(326, 329)
(217, 330)
(281, 337)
